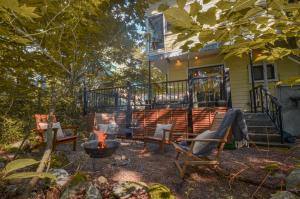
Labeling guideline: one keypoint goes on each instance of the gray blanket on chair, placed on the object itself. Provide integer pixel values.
(233, 118)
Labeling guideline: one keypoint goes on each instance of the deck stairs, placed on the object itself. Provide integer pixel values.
(262, 131)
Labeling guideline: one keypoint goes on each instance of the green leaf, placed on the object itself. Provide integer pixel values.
(178, 17)
(30, 175)
(298, 42)
(223, 4)
(206, 1)
(159, 191)
(163, 7)
(10, 4)
(261, 58)
(181, 3)
(28, 12)
(208, 17)
(195, 8)
(19, 164)
(243, 4)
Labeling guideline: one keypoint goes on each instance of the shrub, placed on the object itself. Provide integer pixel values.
(11, 130)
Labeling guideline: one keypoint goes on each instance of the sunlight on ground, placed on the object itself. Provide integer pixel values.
(127, 175)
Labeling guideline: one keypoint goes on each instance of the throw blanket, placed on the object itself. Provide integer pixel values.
(235, 119)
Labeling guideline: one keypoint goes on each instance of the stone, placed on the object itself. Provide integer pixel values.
(77, 191)
(93, 192)
(293, 180)
(26, 144)
(121, 160)
(2, 165)
(127, 189)
(62, 176)
(102, 180)
(284, 195)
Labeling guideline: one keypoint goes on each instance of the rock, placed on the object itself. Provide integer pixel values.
(127, 189)
(78, 191)
(62, 176)
(102, 180)
(284, 195)
(293, 180)
(2, 165)
(82, 190)
(93, 193)
(26, 144)
(121, 160)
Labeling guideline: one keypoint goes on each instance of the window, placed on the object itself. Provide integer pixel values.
(258, 72)
(156, 28)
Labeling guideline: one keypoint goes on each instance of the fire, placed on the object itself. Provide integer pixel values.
(101, 137)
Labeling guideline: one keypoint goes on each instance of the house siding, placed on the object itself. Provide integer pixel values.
(177, 67)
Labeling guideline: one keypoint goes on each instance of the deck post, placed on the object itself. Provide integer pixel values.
(129, 108)
(149, 83)
(191, 103)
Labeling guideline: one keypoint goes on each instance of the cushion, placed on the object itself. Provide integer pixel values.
(103, 127)
(44, 126)
(200, 146)
(159, 131)
(112, 128)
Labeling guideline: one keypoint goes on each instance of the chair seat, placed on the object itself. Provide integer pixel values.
(67, 138)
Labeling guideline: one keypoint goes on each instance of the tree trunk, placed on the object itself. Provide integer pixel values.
(50, 139)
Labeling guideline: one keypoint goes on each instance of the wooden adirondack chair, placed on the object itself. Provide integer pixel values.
(192, 159)
(40, 118)
(149, 137)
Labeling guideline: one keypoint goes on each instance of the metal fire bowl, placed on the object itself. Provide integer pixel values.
(91, 148)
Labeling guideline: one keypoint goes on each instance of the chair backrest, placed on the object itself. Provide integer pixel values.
(118, 118)
(42, 118)
(219, 116)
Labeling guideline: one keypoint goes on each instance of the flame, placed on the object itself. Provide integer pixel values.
(101, 137)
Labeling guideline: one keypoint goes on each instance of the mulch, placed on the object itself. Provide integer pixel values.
(245, 169)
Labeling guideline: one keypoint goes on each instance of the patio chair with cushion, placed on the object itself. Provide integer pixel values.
(161, 135)
(199, 152)
(60, 135)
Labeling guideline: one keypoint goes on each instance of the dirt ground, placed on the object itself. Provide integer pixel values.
(252, 164)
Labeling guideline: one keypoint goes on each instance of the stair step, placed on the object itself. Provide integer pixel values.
(264, 137)
(262, 122)
(272, 144)
(256, 116)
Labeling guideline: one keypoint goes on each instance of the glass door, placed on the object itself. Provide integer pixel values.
(208, 86)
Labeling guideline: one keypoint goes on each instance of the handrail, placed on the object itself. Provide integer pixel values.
(269, 104)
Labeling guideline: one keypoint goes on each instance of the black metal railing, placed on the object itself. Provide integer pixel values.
(200, 92)
(263, 101)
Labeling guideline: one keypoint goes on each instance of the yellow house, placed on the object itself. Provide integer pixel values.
(209, 64)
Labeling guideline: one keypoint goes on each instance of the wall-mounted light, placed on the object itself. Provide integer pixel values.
(196, 58)
(178, 61)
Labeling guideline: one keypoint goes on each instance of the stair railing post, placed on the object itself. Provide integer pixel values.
(280, 124)
(262, 100)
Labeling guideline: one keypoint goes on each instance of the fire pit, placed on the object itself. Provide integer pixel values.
(94, 151)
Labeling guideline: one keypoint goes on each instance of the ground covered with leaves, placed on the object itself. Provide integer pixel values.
(248, 172)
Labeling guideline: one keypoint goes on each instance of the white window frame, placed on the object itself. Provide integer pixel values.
(264, 64)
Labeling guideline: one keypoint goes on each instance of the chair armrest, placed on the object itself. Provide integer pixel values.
(73, 128)
(204, 140)
(70, 127)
